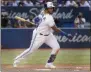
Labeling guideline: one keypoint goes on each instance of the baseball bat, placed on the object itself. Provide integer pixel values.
(22, 19)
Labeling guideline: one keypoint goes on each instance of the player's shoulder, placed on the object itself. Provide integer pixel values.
(50, 17)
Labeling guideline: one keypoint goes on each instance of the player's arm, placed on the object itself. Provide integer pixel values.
(61, 32)
(56, 29)
(51, 24)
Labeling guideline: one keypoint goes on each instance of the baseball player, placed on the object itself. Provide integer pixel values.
(43, 33)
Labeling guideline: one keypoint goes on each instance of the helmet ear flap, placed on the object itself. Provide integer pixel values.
(45, 6)
(54, 9)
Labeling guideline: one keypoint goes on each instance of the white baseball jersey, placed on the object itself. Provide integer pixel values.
(45, 24)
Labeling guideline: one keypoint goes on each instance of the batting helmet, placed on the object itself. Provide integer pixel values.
(49, 5)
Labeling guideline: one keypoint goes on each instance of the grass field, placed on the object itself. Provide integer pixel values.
(66, 57)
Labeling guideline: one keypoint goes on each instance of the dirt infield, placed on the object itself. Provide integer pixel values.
(40, 68)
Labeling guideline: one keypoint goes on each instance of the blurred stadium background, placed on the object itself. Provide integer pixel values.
(72, 16)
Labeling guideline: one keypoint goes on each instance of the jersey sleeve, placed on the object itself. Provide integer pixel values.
(50, 21)
(83, 19)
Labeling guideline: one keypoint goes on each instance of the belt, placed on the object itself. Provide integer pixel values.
(43, 34)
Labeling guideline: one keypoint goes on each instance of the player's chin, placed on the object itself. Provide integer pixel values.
(51, 12)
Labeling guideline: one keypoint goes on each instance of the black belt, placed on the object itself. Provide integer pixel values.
(44, 35)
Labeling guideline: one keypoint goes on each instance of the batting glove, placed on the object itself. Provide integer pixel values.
(36, 20)
(66, 34)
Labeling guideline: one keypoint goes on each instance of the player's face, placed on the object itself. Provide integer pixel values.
(50, 10)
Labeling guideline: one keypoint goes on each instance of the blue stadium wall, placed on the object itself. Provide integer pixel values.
(21, 38)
